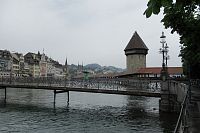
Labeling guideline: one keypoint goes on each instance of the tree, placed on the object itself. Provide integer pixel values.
(183, 17)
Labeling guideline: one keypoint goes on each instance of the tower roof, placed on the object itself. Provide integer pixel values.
(136, 43)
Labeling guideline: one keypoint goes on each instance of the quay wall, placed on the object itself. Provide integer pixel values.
(172, 95)
(179, 89)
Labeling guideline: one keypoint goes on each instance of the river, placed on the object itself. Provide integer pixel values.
(33, 111)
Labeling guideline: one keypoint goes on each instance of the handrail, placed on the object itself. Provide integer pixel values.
(183, 109)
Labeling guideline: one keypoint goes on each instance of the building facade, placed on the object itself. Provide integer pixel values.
(15, 65)
(5, 63)
(135, 52)
(43, 66)
(33, 62)
(5, 60)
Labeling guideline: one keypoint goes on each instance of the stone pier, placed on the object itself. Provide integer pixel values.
(172, 95)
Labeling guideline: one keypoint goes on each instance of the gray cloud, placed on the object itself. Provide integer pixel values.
(84, 30)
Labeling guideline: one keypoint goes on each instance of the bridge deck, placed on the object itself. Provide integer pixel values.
(89, 90)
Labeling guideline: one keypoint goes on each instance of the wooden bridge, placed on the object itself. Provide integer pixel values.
(120, 86)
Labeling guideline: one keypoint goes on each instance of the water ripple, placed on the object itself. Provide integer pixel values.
(82, 115)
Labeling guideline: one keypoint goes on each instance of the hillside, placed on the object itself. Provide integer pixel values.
(94, 68)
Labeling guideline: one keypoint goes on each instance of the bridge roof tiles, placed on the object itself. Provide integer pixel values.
(157, 70)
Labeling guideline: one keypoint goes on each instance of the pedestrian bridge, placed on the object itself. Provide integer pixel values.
(174, 94)
(136, 87)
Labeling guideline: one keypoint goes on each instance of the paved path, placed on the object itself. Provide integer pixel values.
(194, 111)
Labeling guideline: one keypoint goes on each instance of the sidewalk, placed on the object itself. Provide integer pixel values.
(194, 111)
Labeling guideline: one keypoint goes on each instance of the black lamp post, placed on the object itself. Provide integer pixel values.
(164, 51)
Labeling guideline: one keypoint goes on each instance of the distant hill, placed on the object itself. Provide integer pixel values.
(96, 68)
(93, 66)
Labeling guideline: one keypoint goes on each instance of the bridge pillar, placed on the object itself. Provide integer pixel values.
(68, 97)
(60, 91)
(5, 94)
(54, 98)
(168, 101)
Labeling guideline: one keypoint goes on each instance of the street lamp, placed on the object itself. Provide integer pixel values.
(164, 51)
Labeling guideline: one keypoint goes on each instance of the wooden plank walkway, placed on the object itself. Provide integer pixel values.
(131, 92)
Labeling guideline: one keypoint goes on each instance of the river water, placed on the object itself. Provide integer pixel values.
(33, 111)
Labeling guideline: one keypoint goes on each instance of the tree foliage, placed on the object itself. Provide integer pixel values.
(183, 17)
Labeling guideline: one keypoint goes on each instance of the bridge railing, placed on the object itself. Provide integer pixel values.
(182, 123)
(114, 84)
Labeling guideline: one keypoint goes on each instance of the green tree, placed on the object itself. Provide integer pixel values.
(183, 17)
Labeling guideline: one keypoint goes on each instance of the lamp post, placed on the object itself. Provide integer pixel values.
(164, 51)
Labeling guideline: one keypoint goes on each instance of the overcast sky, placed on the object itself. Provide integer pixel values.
(88, 31)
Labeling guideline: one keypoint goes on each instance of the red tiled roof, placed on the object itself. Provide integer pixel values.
(157, 70)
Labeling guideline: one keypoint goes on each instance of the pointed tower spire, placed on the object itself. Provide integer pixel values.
(82, 66)
(66, 66)
(38, 53)
(43, 56)
(66, 62)
(136, 45)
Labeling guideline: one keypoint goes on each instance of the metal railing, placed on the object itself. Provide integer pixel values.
(182, 124)
(99, 83)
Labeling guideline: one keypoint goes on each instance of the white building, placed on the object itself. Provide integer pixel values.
(43, 66)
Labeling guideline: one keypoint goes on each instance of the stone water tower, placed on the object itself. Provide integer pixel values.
(135, 52)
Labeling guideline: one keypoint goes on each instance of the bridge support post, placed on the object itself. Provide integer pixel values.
(168, 102)
(60, 91)
(68, 97)
(5, 94)
(54, 98)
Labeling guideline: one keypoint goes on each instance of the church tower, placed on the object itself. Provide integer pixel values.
(66, 67)
(43, 65)
(135, 52)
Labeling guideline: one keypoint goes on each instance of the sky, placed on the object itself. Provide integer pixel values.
(84, 31)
